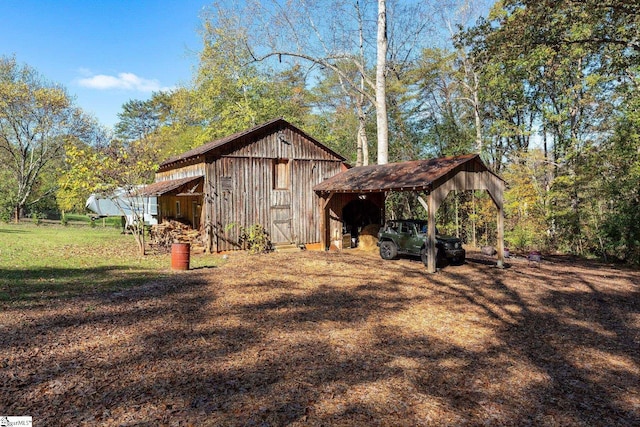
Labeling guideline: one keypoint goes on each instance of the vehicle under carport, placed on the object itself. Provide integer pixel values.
(434, 178)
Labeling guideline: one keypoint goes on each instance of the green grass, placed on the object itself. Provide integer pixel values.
(53, 261)
(112, 221)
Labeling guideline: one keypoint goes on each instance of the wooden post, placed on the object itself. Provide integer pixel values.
(208, 206)
(500, 263)
(324, 223)
(495, 188)
(431, 233)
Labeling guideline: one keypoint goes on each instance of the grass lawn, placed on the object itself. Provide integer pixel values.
(325, 339)
(53, 261)
(101, 222)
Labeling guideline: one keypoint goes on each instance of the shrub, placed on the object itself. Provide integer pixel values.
(520, 238)
(255, 239)
(36, 218)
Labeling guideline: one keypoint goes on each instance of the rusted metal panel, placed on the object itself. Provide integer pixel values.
(184, 185)
(418, 175)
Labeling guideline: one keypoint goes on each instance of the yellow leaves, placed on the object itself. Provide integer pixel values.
(102, 170)
(52, 98)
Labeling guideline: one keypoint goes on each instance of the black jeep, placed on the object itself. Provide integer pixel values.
(409, 237)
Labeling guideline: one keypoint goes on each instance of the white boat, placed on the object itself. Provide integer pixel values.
(122, 203)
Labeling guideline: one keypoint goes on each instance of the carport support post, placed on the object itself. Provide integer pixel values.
(497, 197)
(325, 223)
(500, 263)
(431, 233)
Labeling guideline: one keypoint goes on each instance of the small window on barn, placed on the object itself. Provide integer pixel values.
(226, 183)
(178, 211)
(281, 175)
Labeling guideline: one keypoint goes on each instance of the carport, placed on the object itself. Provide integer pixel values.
(435, 178)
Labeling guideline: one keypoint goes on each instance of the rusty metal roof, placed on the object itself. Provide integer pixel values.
(220, 143)
(164, 187)
(416, 175)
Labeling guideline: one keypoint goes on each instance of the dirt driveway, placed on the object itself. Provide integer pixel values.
(335, 339)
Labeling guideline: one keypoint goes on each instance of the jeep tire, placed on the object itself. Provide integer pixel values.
(388, 250)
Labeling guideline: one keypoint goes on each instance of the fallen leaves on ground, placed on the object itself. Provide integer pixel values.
(339, 339)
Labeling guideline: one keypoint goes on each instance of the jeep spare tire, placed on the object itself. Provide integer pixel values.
(388, 250)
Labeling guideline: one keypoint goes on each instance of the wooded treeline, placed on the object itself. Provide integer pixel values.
(546, 91)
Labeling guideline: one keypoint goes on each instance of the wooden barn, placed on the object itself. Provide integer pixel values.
(264, 175)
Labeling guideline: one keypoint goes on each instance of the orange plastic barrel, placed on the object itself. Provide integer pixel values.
(180, 256)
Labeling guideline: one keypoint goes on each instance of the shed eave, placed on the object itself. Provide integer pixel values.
(426, 188)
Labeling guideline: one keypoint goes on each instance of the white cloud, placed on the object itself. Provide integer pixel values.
(125, 81)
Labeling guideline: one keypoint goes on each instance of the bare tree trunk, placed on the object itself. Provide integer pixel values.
(476, 111)
(363, 149)
(365, 145)
(362, 145)
(381, 94)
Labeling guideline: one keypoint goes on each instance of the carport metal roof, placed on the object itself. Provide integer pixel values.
(417, 175)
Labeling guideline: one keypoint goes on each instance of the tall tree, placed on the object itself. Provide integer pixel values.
(230, 94)
(362, 142)
(330, 36)
(37, 118)
(444, 115)
(336, 113)
(138, 119)
(115, 166)
(382, 123)
(551, 75)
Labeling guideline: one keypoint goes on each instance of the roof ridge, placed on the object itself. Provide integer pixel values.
(208, 146)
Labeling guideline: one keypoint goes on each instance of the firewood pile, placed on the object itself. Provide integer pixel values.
(170, 231)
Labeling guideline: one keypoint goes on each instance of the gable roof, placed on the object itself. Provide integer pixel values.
(221, 144)
(416, 175)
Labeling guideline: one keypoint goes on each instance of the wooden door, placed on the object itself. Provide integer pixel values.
(281, 217)
(196, 209)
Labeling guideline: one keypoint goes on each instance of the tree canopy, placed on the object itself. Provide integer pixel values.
(37, 118)
(545, 91)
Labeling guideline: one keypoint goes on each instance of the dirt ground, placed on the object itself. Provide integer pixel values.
(335, 339)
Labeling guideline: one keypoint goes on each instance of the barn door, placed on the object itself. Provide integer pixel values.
(195, 213)
(281, 216)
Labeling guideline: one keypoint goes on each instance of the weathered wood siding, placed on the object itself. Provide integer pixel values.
(192, 170)
(241, 191)
(282, 144)
(190, 209)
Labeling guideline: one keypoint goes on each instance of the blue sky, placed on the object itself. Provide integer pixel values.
(105, 52)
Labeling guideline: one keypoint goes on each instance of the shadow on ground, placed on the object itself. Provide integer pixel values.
(335, 339)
